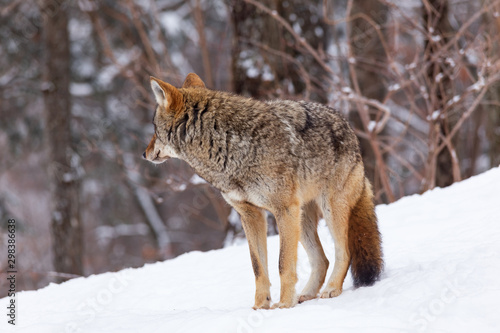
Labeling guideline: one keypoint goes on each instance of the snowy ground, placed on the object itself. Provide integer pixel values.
(442, 267)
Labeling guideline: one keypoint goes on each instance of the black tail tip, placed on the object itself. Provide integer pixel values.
(366, 275)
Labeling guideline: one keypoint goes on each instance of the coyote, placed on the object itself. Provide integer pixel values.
(298, 160)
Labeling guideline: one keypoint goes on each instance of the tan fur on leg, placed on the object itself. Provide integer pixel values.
(288, 221)
(310, 240)
(255, 226)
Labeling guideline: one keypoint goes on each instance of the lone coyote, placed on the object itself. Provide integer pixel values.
(298, 160)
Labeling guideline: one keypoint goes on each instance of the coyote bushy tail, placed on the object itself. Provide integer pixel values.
(364, 240)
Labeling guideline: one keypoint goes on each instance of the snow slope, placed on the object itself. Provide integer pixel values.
(442, 267)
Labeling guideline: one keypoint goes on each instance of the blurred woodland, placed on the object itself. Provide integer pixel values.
(419, 81)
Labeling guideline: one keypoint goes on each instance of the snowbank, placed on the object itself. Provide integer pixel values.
(441, 252)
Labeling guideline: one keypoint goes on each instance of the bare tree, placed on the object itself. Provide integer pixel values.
(421, 76)
(491, 110)
(440, 163)
(64, 166)
(276, 49)
(368, 64)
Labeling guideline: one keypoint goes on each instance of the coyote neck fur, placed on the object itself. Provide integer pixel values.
(214, 138)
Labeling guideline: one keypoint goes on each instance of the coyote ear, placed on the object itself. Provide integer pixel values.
(166, 94)
(193, 80)
(158, 91)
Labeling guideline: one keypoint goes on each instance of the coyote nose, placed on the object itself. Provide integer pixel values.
(144, 155)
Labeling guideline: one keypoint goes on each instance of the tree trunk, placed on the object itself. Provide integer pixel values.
(148, 207)
(370, 64)
(493, 111)
(238, 8)
(435, 19)
(367, 47)
(64, 166)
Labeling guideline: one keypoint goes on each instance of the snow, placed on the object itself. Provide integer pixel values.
(86, 5)
(436, 38)
(394, 87)
(346, 90)
(80, 89)
(413, 65)
(105, 232)
(172, 22)
(196, 180)
(478, 85)
(450, 62)
(454, 100)
(441, 275)
(435, 115)
(372, 125)
(438, 77)
(297, 28)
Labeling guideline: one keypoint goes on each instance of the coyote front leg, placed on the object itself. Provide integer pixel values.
(255, 226)
(288, 220)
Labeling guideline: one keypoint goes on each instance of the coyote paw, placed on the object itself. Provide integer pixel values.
(261, 306)
(281, 306)
(329, 293)
(263, 303)
(284, 305)
(304, 298)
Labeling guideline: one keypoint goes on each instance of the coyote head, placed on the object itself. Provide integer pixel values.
(170, 107)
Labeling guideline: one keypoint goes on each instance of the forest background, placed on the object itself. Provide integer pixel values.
(418, 80)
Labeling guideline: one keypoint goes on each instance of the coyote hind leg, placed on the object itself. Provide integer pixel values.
(317, 258)
(336, 213)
